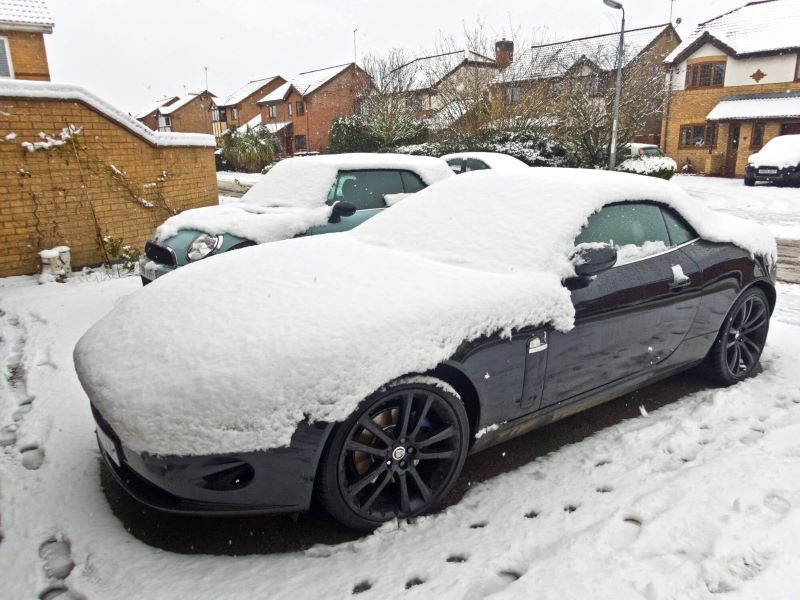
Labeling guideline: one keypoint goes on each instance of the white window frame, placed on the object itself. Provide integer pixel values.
(4, 39)
(234, 114)
(289, 107)
(164, 123)
(272, 111)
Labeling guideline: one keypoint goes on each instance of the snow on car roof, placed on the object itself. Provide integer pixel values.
(781, 151)
(299, 186)
(495, 160)
(252, 342)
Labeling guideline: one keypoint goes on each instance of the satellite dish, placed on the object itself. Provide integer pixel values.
(678, 21)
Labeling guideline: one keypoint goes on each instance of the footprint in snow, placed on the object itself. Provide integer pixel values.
(750, 438)
(777, 504)
(413, 582)
(32, 457)
(362, 586)
(623, 533)
(603, 462)
(510, 575)
(8, 436)
(60, 592)
(571, 508)
(479, 525)
(531, 514)
(456, 558)
(56, 559)
(605, 489)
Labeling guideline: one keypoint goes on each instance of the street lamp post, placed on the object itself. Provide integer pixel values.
(612, 151)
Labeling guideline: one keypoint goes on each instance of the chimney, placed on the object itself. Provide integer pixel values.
(504, 53)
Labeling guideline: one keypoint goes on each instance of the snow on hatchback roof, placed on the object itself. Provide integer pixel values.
(781, 151)
(305, 181)
(309, 327)
(495, 160)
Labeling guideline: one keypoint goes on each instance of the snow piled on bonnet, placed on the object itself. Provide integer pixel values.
(781, 151)
(299, 187)
(495, 160)
(251, 343)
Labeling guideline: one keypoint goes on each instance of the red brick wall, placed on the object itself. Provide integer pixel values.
(193, 117)
(70, 194)
(28, 55)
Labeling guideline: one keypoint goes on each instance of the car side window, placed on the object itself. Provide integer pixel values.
(457, 164)
(473, 164)
(365, 189)
(411, 182)
(679, 230)
(636, 230)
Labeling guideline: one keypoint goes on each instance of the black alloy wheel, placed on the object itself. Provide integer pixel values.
(395, 457)
(741, 340)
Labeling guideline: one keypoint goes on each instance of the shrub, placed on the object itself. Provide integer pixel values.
(248, 151)
(121, 256)
(349, 134)
(653, 166)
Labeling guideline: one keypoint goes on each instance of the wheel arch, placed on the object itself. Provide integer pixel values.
(462, 384)
(768, 289)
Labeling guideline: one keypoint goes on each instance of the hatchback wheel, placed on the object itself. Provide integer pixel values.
(395, 457)
(741, 340)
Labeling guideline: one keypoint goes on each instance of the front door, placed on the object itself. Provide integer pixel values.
(733, 150)
(790, 128)
(633, 316)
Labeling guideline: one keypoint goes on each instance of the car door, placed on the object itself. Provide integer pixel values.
(366, 190)
(631, 317)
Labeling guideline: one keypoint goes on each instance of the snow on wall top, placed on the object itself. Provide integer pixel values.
(495, 160)
(243, 92)
(554, 60)
(15, 88)
(757, 106)
(425, 72)
(28, 15)
(766, 26)
(316, 324)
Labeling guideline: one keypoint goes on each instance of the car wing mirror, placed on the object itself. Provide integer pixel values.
(593, 259)
(341, 209)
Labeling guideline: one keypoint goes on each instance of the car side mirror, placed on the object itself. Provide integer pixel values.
(341, 209)
(593, 259)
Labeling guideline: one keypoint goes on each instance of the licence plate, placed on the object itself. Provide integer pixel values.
(768, 171)
(149, 272)
(108, 446)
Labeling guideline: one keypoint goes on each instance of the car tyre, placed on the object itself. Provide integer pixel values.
(741, 339)
(749, 181)
(396, 456)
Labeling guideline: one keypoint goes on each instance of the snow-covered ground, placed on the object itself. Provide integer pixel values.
(698, 498)
(777, 208)
(244, 179)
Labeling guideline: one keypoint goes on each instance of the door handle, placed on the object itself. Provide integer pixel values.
(679, 278)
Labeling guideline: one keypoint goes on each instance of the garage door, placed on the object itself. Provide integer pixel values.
(790, 128)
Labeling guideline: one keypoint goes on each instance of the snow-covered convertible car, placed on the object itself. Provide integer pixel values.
(365, 366)
(299, 196)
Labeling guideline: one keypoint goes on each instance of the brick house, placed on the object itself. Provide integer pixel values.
(735, 84)
(300, 111)
(23, 24)
(542, 73)
(189, 114)
(241, 106)
(438, 86)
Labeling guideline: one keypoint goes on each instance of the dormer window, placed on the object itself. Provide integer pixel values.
(707, 74)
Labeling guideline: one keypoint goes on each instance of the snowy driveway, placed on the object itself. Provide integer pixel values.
(699, 497)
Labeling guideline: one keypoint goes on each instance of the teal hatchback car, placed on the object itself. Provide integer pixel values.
(299, 196)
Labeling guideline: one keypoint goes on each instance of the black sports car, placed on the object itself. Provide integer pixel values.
(364, 367)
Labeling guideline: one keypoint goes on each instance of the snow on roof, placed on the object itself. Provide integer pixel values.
(153, 107)
(495, 160)
(757, 106)
(278, 94)
(269, 126)
(166, 109)
(765, 26)
(248, 89)
(422, 290)
(310, 81)
(26, 15)
(426, 71)
(554, 60)
(17, 88)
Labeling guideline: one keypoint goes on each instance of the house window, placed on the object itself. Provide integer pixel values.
(513, 94)
(797, 68)
(758, 134)
(273, 111)
(301, 108)
(552, 89)
(289, 108)
(300, 142)
(164, 123)
(234, 114)
(218, 115)
(6, 68)
(705, 75)
(698, 135)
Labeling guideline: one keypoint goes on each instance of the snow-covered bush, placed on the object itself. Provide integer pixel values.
(532, 148)
(122, 258)
(654, 166)
(350, 134)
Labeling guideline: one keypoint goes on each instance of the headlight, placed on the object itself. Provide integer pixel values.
(203, 245)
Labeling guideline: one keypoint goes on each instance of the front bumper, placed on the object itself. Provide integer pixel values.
(787, 175)
(275, 481)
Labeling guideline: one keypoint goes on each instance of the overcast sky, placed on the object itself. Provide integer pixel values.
(132, 52)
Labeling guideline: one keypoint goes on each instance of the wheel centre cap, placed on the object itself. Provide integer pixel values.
(399, 453)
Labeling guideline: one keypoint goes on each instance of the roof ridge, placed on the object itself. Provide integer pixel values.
(725, 14)
(325, 68)
(592, 37)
